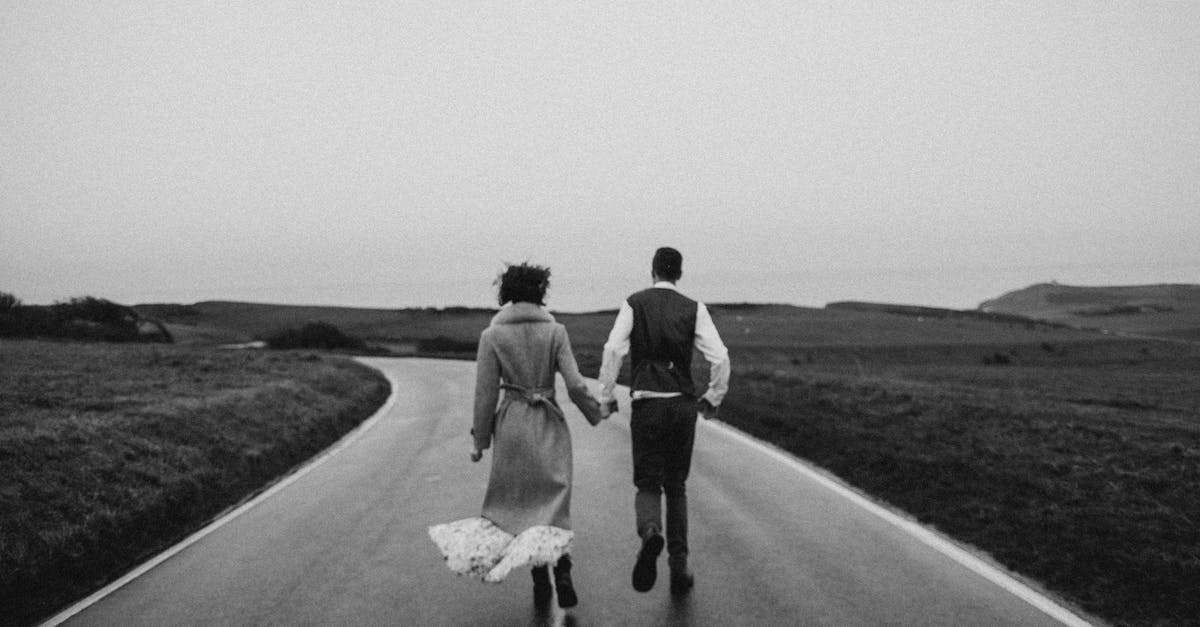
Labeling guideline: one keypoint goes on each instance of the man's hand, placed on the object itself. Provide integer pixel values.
(608, 408)
(476, 454)
(708, 410)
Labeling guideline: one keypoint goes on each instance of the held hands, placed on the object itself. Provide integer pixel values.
(608, 408)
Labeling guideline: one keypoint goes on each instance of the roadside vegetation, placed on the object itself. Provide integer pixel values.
(1079, 469)
(83, 318)
(315, 335)
(1071, 457)
(110, 452)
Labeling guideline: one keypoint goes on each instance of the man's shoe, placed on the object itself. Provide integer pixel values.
(681, 582)
(645, 571)
(542, 591)
(563, 584)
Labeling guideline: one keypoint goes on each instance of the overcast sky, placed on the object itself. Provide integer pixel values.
(184, 150)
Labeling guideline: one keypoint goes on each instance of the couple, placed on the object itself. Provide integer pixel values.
(526, 512)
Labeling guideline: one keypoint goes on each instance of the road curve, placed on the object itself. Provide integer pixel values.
(343, 541)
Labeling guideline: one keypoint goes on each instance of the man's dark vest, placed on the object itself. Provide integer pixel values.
(660, 345)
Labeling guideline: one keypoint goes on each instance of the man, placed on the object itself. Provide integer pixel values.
(661, 327)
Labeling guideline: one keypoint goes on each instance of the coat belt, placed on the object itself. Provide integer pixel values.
(533, 396)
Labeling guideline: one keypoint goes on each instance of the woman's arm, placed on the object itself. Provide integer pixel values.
(577, 388)
(487, 391)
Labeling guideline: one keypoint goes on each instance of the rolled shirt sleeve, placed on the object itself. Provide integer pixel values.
(709, 343)
(615, 350)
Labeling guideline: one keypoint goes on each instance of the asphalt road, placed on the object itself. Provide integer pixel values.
(344, 542)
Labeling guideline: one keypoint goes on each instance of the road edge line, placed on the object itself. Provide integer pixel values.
(923, 534)
(224, 519)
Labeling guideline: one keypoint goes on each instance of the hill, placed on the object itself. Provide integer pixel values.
(1167, 310)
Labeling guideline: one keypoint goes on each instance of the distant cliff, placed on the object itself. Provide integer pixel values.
(1166, 310)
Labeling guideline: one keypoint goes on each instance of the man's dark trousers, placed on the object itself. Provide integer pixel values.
(663, 431)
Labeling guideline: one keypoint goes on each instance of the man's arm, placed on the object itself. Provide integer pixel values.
(615, 350)
(709, 343)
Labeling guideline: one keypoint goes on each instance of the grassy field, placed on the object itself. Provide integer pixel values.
(111, 452)
(1070, 456)
(1080, 471)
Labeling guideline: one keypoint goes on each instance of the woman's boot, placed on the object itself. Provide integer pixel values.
(562, 583)
(541, 585)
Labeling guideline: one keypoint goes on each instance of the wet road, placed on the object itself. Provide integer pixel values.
(344, 543)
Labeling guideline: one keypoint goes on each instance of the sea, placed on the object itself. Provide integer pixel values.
(950, 287)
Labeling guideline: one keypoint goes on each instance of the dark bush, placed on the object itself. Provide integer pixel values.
(443, 344)
(997, 359)
(315, 335)
(90, 318)
(8, 302)
(91, 309)
(81, 318)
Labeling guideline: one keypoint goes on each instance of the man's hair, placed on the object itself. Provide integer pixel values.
(668, 264)
(524, 283)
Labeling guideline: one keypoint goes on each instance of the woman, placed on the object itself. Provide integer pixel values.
(526, 512)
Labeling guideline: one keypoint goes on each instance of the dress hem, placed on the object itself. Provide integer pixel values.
(478, 548)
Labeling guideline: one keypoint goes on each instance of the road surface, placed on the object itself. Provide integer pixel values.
(343, 541)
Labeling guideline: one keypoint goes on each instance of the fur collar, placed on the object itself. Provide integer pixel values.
(516, 313)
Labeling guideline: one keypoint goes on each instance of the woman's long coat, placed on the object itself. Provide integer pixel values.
(517, 416)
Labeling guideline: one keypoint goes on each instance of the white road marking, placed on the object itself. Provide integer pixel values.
(149, 565)
(925, 535)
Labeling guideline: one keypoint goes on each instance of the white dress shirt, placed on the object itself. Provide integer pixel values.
(707, 341)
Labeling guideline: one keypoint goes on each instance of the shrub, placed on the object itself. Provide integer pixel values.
(81, 318)
(88, 317)
(8, 302)
(443, 344)
(315, 335)
(997, 359)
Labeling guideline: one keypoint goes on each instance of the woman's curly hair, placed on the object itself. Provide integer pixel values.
(523, 283)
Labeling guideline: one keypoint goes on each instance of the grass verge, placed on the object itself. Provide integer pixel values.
(108, 453)
(1082, 476)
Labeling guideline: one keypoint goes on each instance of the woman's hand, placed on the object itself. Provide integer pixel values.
(476, 454)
